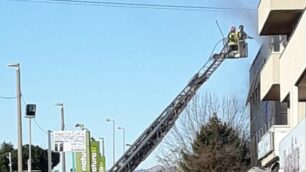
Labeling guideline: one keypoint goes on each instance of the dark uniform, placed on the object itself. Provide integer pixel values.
(242, 35)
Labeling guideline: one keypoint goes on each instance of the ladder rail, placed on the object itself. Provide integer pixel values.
(154, 134)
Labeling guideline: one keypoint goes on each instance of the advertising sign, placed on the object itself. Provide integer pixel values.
(102, 167)
(95, 155)
(83, 159)
(292, 150)
(69, 141)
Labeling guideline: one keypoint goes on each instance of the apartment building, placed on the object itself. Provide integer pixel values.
(280, 145)
(265, 116)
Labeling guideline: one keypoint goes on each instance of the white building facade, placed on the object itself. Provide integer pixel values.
(283, 79)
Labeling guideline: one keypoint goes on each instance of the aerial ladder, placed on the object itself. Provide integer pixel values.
(154, 134)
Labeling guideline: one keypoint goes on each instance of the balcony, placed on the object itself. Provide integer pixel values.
(279, 17)
(301, 83)
(268, 146)
(269, 79)
(293, 62)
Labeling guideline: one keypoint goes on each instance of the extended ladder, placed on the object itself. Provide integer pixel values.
(154, 134)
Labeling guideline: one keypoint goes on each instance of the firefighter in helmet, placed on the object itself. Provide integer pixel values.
(242, 35)
(233, 39)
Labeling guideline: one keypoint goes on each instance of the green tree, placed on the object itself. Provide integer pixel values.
(39, 157)
(218, 147)
(4, 150)
(230, 109)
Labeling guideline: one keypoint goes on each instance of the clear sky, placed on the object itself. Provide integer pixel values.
(126, 64)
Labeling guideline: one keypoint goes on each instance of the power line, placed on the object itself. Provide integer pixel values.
(24, 102)
(136, 5)
(36, 123)
(4, 97)
(41, 129)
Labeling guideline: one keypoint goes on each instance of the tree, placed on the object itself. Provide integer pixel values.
(4, 150)
(39, 157)
(217, 147)
(181, 137)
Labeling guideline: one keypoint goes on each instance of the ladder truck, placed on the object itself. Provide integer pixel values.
(154, 134)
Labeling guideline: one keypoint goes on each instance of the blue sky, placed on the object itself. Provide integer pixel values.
(126, 64)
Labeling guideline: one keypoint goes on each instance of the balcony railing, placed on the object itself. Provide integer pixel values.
(268, 146)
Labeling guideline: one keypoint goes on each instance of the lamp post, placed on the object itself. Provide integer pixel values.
(49, 152)
(123, 138)
(19, 121)
(61, 105)
(102, 146)
(102, 167)
(113, 121)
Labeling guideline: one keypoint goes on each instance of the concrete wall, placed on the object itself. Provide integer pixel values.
(269, 74)
(293, 59)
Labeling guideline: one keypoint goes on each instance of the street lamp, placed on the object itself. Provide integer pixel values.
(102, 146)
(19, 121)
(113, 121)
(80, 125)
(102, 162)
(61, 105)
(123, 137)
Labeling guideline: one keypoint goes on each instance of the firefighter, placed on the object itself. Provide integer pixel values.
(233, 39)
(242, 35)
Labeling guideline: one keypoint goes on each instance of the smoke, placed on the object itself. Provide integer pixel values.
(248, 16)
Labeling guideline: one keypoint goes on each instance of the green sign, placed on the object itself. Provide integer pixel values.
(95, 155)
(102, 167)
(83, 158)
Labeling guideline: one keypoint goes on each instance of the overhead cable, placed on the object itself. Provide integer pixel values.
(137, 5)
(4, 97)
(36, 123)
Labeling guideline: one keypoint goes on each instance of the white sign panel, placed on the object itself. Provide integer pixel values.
(292, 150)
(265, 145)
(69, 141)
(279, 133)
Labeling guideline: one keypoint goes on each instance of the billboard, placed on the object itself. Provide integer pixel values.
(292, 150)
(69, 141)
(102, 167)
(95, 155)
(83, 159)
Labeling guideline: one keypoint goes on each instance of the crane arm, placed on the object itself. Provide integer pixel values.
(154, 134)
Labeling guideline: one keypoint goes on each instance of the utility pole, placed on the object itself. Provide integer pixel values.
(49, 152)
(61, 105)
(19, 121)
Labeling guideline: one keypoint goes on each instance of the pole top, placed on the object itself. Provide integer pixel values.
(59, 104)
(16, 65)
